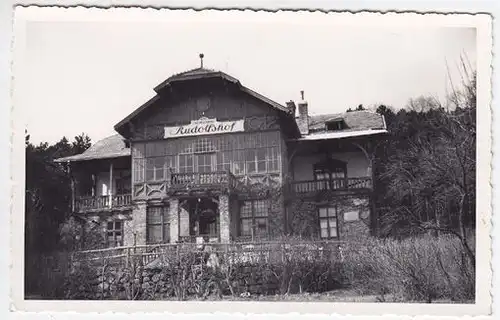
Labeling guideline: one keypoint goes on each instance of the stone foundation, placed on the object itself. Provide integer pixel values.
(224, 218)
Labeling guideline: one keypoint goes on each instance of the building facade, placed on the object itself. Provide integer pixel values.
(207, 159)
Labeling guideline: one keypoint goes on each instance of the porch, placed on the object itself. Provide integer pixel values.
(101, 203)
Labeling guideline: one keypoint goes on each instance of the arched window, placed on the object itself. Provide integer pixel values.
(330, 169)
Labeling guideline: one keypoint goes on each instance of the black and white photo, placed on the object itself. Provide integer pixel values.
(256, 157)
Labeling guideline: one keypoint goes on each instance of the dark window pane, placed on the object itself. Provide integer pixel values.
(323, 212)
(261, 166)
(261, 226)
(251, 168)
(118, 225)
(154, 234)
(154, 215)
(260, 208)
(332, 212)
(110, 226)
(246, 227)
(246, 209)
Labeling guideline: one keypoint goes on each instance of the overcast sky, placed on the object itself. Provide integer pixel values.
(85, 76)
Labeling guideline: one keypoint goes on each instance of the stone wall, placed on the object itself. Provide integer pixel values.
(134, 229)
(353, 216)
(185, 278)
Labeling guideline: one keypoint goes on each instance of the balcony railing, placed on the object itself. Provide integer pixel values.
(360, 183)
(201, 180)
(90, 203)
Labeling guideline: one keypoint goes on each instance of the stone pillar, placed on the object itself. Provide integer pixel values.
(183, 222)
(174, 220)
(135, 229)
(224, 220)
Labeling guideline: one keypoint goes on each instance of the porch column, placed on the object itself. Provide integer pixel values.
(183, 222)
(224, 220)
(174, 220)
(110, 191)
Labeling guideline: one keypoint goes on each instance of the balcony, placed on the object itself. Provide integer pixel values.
(200, 181)
(102, 203)
(337, 184)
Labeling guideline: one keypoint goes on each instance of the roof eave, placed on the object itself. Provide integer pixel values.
(182, 78)
(118, 127)
(67, 159)
(330, 136)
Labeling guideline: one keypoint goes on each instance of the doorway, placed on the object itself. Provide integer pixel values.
(204, 219)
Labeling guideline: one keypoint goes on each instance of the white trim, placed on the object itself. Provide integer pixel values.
(340, 135)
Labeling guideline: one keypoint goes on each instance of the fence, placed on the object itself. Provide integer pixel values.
(243, 252)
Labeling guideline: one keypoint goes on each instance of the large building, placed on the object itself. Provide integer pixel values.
(208, 159)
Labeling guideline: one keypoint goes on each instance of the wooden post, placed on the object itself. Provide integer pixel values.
(127, 259)
(110, 192)
(94, 185)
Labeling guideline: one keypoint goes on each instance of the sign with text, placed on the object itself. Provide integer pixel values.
(204, 126)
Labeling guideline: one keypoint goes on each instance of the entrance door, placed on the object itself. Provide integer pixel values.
(204, 219)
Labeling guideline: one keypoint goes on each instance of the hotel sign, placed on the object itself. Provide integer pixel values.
(204, 126)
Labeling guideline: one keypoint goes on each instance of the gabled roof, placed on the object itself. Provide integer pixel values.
(199, 73)
(357, 124)
(110, 147)
(354, 120)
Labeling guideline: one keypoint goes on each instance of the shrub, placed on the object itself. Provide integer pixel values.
(422, 268)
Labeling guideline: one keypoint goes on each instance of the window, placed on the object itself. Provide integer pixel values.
(335, 125)
(262, 160)
(273, 160)
(238, 162)
(203, 145)
(330, 169)
(186, 163)
(254, 218)
(328, 222)
(155, 169)
(138, 166)
(256, 160)
(158, 225)
(205, 162)
(224, 161)
(114, 233)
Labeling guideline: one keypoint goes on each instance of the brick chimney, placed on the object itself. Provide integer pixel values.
(303, 120)
(291, 106)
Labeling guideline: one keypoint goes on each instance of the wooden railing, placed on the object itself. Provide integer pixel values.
(266, 251)
(202, 180)
(332, 184)
(102, 202)
(121, 200)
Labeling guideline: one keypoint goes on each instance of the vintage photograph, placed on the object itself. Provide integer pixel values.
(176, 155)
